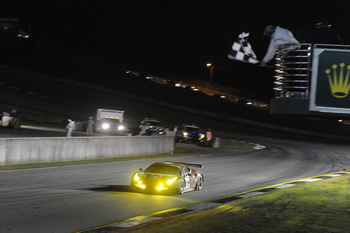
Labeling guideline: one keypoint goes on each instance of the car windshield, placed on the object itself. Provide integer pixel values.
(163, 169)
(192, 129)
(155, 123)
(110, 120)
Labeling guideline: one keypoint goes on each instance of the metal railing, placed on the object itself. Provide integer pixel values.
(292, 72)
(293, 69)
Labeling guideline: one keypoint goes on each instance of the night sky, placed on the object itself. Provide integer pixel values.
(173, 39)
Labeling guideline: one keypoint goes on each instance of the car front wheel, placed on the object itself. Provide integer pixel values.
(182, 187)
(199, 184)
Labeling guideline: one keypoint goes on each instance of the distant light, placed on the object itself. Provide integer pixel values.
(23, 34)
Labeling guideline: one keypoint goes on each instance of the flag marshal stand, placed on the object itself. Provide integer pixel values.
(313, 80)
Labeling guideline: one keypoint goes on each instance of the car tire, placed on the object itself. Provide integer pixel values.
(148, 132)
(199, 184)
(133, 188)
(15, 123)
(182, 187)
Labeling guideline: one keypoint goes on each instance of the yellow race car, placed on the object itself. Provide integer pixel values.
(168, 177)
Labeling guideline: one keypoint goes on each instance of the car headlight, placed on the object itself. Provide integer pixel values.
(137, 181)
(121, 127)
(105, 126)
(136, 177)
(160, 187)
(185, 134)
(170, 181)
(201, 136)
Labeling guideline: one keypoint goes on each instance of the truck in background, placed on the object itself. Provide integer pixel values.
(110, 121)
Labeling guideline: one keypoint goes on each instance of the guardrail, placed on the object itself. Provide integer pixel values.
(54, 149)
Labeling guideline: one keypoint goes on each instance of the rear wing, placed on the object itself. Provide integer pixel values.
(188, 164)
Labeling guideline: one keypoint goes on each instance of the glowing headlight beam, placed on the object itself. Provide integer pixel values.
(169, 182)
(105, 126)
(161, 187)
(136, 177)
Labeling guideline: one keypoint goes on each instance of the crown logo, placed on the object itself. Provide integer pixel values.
(339, 83)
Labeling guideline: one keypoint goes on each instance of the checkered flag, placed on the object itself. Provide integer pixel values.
(242, 51)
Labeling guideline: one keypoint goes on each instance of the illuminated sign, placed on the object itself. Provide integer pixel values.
(330, 84)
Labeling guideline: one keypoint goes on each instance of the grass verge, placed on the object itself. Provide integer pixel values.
(317, 207)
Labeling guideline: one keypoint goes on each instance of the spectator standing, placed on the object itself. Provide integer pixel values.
(209, 137)
(90, 125)
(70, 127)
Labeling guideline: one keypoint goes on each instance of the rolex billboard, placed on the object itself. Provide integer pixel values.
(330, 81)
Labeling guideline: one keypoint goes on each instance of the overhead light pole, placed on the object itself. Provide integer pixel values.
(211, 70)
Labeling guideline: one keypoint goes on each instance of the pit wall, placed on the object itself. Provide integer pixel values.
(55, 149)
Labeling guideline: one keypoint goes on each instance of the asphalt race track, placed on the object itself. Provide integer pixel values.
(73, 198)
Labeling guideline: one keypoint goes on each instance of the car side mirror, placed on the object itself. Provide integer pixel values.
(140, 169)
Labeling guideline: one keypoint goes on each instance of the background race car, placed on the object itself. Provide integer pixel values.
(189, 133)
(152, 126)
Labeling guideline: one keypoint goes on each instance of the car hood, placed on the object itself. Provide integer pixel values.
(150, 177)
